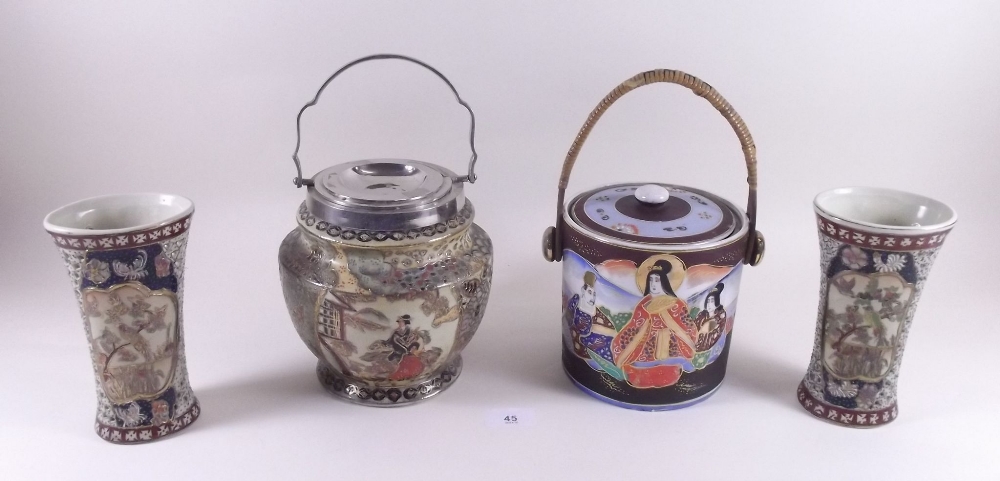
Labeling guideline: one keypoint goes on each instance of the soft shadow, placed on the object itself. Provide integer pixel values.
(519, 345)
(533, 361)
(258, 397)
(763, 376)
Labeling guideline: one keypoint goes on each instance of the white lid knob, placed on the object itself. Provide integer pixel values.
(652, 194)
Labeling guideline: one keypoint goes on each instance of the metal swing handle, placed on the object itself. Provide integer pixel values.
(470, 177)
(755, 241)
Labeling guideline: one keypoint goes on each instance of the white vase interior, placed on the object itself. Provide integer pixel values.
(117, 213)
(885, 208)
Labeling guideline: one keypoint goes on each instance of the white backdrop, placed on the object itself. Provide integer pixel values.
(199, 99)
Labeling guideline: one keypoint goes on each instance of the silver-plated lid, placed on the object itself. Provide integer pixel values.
(385, 195)
(655, 214)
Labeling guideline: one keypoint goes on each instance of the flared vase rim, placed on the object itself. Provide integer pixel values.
(942, 216)
(160, 209)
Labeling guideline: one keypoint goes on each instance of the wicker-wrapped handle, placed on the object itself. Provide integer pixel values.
(700, 88)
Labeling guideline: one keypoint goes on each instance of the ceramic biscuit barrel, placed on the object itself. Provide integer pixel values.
(386, 277)
(651, 276)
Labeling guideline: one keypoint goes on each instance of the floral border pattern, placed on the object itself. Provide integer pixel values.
(361, 392)
(837, 414)
(118, 435)
(882, 242)
(124, 240)
(328, 229)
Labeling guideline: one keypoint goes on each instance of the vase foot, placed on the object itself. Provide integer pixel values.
(843, 416)
(145, 434)
(381, 395)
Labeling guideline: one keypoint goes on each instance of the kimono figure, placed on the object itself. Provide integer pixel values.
(406, 346)
(590, 329)
(598, 342)
(711, 321)
(579, 313)
(658, 330)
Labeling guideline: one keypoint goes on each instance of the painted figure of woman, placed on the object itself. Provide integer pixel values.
(406, 346)
(658, 330)
(711, 321)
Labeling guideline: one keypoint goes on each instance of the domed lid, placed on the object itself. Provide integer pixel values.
(385, 195)
(654, 214)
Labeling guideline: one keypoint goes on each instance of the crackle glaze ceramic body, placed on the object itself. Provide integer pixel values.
(877, 247)
(125, 256)
(386, 276)
(651, 276)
